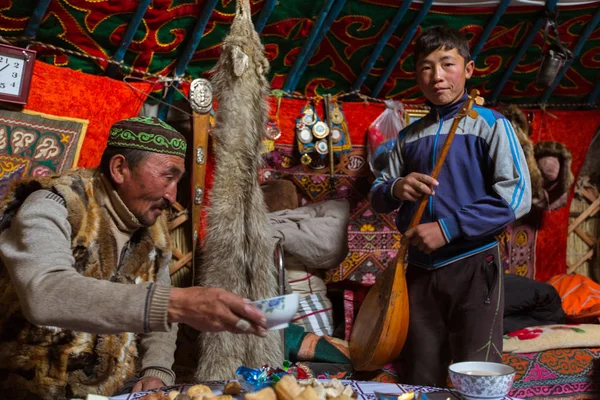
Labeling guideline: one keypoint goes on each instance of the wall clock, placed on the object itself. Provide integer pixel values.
(16, 70)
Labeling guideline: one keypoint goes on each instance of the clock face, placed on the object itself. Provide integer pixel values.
(11, 73)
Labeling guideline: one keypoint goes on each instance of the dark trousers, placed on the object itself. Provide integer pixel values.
(456, 314)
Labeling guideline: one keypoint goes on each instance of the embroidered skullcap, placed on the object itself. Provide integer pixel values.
(149, 134)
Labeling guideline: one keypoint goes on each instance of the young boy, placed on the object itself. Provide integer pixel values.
(454, 273)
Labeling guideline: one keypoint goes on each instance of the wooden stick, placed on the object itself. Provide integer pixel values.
(175, 222)
(590, 211)
(583, 259)
(586, 237)
(465, 110)
(181, 263)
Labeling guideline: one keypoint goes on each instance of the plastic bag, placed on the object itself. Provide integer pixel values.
(382, 135)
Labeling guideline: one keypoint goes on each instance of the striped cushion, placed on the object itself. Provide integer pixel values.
(315, 314)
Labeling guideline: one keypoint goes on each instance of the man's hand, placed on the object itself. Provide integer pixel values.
(426, 237)
(215, 310)
(413, 186)
(147, 383)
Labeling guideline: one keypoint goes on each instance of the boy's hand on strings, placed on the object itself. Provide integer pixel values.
(413, 186)
(426, 237)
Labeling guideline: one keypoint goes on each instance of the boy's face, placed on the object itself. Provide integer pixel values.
(442, 74)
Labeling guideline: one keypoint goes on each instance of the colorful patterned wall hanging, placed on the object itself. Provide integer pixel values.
(97, 28)
(37, 145)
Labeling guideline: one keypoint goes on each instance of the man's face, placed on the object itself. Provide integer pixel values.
(151, 186)
(442, 75)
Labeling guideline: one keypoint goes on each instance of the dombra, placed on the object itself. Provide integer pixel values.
(481, 373)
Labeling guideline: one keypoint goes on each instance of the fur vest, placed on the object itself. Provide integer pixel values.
(51, 363)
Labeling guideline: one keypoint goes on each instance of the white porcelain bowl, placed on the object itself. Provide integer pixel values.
(279, 310)
(482, 380)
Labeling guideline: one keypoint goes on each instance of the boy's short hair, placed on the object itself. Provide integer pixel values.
(442, 37)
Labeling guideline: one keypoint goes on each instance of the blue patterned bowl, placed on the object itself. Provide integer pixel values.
(279, 310)
(476, 380)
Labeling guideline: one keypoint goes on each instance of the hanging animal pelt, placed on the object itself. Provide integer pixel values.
(238, 250)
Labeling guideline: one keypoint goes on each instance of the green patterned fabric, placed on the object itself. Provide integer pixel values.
(34, 145)
(149, 134)
(97, 27)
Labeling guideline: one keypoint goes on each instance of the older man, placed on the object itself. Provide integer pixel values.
(84, 267)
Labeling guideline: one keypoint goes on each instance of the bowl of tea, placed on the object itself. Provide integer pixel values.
(476, 380)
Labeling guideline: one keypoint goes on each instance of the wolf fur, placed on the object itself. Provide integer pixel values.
(238, 250)
(519, 122)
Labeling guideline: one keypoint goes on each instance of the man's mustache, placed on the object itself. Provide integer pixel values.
(163, 205)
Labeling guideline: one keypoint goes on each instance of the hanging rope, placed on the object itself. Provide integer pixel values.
(121, 64)
(276, 92)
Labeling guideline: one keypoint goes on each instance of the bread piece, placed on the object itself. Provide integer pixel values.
(264, 394)
(308, 394)
(233, 388)
(160, 395)
(198, 389)
(204, 396)
(287, 388)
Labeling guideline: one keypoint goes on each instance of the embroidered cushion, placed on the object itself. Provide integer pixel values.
(540, 338)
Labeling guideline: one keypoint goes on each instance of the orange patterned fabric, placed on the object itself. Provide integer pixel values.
(100, 100)
(580, 296)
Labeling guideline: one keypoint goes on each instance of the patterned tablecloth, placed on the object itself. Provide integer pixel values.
(364, 389)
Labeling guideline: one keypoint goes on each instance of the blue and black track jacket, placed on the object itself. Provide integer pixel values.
(484, 183)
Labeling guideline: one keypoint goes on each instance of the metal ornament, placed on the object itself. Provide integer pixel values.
(306, 159)
(336, 135)
(201, 95)
(199, 155)
(305, 136)
(336, 116)
(273, 131)
(321, 146)
(198, 195)
(320, 130)
(309, 117)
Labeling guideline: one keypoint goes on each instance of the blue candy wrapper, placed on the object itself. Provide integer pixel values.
(255, 379)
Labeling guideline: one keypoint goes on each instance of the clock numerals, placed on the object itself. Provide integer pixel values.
(16, 71)
(11, 69)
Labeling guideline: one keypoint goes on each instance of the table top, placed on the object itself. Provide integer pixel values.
(364, 389)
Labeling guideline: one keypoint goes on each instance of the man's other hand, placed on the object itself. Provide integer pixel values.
(413, 186)
(215, 310)
(147, 383)
(426, 237)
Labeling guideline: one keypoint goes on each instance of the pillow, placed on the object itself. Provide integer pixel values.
(580, 297)
(540, 338)
(315, 314)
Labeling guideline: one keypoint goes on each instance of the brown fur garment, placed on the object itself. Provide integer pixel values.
(50, 363)
(560, 187)
(238, 250)
(519, 122)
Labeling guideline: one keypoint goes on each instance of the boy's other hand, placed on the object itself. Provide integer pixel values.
(426, 237)
(413, 186)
